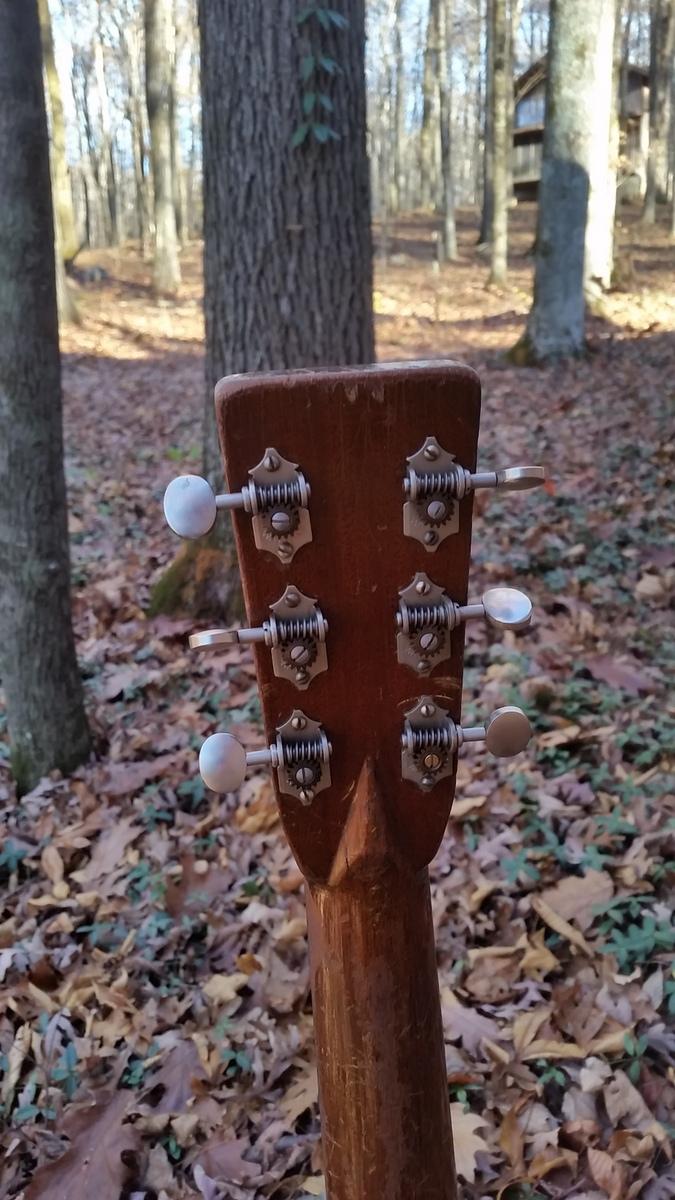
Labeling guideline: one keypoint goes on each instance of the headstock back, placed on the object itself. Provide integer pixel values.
(351, 431)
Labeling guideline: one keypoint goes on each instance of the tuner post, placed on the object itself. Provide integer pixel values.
(431, 739)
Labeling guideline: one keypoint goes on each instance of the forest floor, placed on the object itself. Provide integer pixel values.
(155, 1019)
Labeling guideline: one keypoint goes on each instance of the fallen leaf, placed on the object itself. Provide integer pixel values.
(94, 1165)
(222, 989)
(225, 1162)
(559, 925)
(575, 897)
(466, 1141)
(607, 1173)
(467, 1024)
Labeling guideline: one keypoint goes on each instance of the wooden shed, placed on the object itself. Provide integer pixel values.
(529, 119)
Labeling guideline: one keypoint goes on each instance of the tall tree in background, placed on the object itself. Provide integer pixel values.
(47, 724)
(429, 137)
(64, 212)
(661, 47)
(555, 325)
(487, 207)
(449, 231)
(502, 100)
(159, 52)
(602, 161)
(287, 239)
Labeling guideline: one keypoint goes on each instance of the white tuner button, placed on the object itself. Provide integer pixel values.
(509, 479)
(190, 506)
(222, 763)
(507, 608)
(506, 732)
(300, 755)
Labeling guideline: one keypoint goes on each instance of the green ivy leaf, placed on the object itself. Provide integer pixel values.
(338, 19)
(305, 14)
(326, 102)
(299, 135)
(324, 133)
(308, 102)
(307, 67)
(329, 64)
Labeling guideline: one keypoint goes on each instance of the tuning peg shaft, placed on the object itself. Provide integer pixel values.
(509, 479)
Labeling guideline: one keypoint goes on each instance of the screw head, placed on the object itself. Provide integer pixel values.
(299, 654)
(271, 462)
(298, 722)
(429, 642)
(431, 452)
(428, 710)
(306, 795)
(423, 665)
(292, 599)
(301, 675)
(304, 776)
(286, 549)
(437, 510)
(432, 762)
(430, 537)
(427, 781)
(422, 587)
(280, 521)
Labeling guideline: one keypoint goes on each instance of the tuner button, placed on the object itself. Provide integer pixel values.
(507, 608)
(507, 731)
(509, 479)
(222, 763)
(190, 506)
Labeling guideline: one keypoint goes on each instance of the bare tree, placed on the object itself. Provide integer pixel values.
(501, 95)
(449, 231)
(661, 42)
(159, 51)
(47, 724)
(599, 249)
(430, 135)
(64, 211)
(555, 325)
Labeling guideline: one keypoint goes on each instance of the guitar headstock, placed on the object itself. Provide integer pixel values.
(352, 500)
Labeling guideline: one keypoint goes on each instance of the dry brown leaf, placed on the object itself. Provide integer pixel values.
(52, 864)
(93, 1165)
(559, 925)
(301, 1095)
(467, 1024)
(607, 1173)
(223, 989)
(625, 1105)
(527, 1025)
(466, 1141)
(225, 1162)
(108, 853)
(511, 1139)
(575, 897)
(548, 1048)
(466, 804)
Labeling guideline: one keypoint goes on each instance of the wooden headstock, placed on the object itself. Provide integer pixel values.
(352, 498)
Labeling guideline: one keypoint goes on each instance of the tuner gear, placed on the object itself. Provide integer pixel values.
(300, 756)
(276, 497)
(434, 484)
(431, 739)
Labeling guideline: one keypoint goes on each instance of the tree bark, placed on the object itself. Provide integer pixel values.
(159, 49)
(555, 326)
(449, 231)
(400, 190)
(61, 189)
(488, 135)
(287, 240)
(599, 244)
(46, 720)
(661, 44)
(430, 138)
(501, 92)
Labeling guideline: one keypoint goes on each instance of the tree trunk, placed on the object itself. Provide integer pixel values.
(47, 725)
(430, 139)
(287, 238)
(488, 137)
(661, 41)
(399, 111)
(449, 231)
(555, 326)
(61, 189)
(501, 95)
(599, 246)
(159, 49)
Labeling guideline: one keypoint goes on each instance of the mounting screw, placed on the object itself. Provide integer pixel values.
(428, 710)
(299, 654)
(271, 462)
(432, 762)
(422, 587)
(431, 452)
(429, 642)
(423, 665)
(306, 795)
(298, 722)
(280, 521)
(304, 776)
(430, 537)
(292, 599)
(437, 510)
(427, 781)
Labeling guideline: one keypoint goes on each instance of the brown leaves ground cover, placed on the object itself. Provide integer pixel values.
(155, 1021)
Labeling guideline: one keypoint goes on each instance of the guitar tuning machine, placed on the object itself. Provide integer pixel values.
(277, 498)
(426, 617)
(434, 484)
(300, 755)
(431, 739)
(295, 632)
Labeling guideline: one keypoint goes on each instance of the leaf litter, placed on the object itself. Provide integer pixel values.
(155, 1013)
